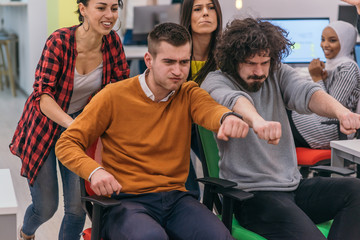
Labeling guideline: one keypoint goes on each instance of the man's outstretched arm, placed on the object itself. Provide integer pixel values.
(232, 127)
(266, 130)
(325, 105)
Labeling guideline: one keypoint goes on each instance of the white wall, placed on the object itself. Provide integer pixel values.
(281, 8)
(29, 22)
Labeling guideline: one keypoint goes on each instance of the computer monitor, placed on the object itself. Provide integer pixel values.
(146, 17)
(306, 34)
(348, 14)
(357, 53)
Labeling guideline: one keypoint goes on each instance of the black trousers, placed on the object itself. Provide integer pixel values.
(160, 216)
(293, 215)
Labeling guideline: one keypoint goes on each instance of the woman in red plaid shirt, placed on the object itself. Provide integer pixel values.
(76, 63)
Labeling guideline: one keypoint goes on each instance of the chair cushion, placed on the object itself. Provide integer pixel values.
(240, 233)
(310, 157)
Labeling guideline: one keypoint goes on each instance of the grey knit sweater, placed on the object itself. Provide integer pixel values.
(252, 163)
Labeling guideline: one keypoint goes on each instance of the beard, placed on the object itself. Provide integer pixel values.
(252, 87)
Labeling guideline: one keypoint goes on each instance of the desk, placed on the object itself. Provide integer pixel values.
(345, 149)
(135, 52)
(12, 4)
(8, 206)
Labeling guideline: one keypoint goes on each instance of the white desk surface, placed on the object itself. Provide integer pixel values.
(12, 3)
(8, 203)
(135, 52)
(349, 146)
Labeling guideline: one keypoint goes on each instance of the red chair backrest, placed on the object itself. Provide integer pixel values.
(94, 151)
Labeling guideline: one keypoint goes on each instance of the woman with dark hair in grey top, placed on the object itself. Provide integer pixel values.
(76, 63)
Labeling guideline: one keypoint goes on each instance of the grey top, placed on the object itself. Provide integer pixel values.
(85, 85)
(251, 162)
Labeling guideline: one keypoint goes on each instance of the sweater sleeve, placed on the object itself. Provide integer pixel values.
(222, 89)
(296, 91)
(86, 128)
(204, 110)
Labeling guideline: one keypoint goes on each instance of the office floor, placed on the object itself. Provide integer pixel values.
(10, 112)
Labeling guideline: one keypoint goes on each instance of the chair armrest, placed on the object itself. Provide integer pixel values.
(236, 194)
(99, 204)
(331, 169)
(341, 135)
(216, 182)
(330, 122)
(102, 201)
(225, 188)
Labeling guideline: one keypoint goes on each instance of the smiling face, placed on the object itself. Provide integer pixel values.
(330, 43)
(203, 17)
(169, 68)
(101, 15)
(254, 71)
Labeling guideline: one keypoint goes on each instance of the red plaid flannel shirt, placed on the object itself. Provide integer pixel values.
(36, 134)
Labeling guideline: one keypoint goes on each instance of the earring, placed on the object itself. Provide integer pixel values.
(83, 24)
(119, 26)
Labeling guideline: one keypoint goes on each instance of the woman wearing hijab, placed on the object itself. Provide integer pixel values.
(339, 76)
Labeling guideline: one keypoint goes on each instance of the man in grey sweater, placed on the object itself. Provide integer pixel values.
(253, 83)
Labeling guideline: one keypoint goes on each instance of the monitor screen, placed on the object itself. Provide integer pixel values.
(146, 17)
(306, 34)
(357, 53)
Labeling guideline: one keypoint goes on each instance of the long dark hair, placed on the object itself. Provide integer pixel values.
(85, 2)
(185, 20)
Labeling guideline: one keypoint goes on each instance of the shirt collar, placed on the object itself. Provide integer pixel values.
(147, 90)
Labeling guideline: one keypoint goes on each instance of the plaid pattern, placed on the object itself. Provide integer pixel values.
(36, 134)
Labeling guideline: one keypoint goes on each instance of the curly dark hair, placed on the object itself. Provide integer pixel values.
(243, 39)
(171, 33)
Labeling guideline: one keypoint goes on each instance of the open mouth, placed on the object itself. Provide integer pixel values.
(107, 24)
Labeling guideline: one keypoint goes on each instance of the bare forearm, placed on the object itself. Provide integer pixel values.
(266, 130)
(325, 105)
(53, 111)
(245, 108)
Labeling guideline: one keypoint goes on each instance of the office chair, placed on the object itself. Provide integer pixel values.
(214, 186)
(92, 204)
(308, 158)
(314, 159)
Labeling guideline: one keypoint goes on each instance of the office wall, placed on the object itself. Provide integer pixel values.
(281, 8)
(61, 13)
(29, 22)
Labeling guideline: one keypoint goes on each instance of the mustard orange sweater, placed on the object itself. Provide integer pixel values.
(146, 144)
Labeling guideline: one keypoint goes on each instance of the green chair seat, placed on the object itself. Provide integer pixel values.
(210, 161)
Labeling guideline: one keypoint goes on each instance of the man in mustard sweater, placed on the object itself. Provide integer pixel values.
(145, 124)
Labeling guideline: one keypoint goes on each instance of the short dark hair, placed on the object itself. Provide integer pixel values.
(243, 39)
(185, 20)
(171, 33)
(85, 2)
